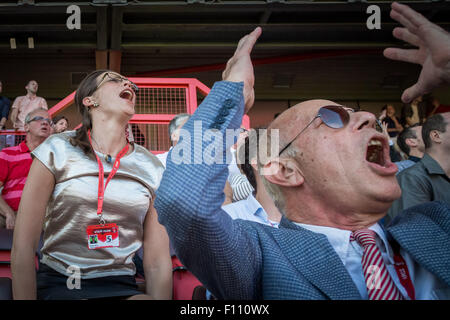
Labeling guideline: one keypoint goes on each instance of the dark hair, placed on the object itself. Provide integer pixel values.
(86, 88)
(57, 118)
(435, 122)
(245, 154)
(407, 133)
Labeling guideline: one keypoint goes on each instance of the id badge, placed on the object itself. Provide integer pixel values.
(103, 236)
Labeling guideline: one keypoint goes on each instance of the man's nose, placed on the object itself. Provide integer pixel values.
(362, 119)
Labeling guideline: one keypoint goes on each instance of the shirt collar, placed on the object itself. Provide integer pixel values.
(253, 205)
(23, 147)
(415, 159)
(340, 239)
(431, 165)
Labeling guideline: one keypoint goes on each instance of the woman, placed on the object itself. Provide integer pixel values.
(60, 124)
(86, 234)
(393, 123)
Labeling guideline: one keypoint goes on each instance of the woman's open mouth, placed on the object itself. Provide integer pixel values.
(127, 94)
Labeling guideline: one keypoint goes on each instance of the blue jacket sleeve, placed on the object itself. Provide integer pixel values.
(217, 250)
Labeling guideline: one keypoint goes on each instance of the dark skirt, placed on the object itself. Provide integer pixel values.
(52, 285)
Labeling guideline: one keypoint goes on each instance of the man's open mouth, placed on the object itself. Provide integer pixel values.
(127, 94)
(376, 151)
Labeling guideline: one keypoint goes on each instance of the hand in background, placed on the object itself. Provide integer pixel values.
(240, 68)
(433, 53)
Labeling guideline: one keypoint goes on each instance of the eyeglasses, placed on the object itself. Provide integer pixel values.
(335, 117)
(108, 76)
(39, 118)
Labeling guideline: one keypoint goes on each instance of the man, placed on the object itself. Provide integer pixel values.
(429, 179)
(15, 162)
(240, 186)
(414, 113)
(4, 108)
(174, 133)
(258, 206)
(411, 143)
(24, 104)
(327, 185)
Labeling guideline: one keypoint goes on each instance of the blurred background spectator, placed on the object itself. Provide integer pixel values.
(4, 108)
(428, 180)
(411, 144)
(15, 163)
(24, 104)
(60, 124)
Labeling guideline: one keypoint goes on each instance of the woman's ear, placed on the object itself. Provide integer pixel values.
(89, 102)
(283, 172)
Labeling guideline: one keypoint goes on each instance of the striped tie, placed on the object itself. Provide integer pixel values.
(380, 285)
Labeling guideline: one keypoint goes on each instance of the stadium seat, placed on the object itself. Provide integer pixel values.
(5, 289)
(185, 285)
(6, 239)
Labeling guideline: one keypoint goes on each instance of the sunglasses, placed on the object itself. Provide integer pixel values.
(117, 79)
(335, 117)
(39, 118)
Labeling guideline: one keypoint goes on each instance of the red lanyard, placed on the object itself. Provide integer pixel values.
(402, 271)
(101, 174)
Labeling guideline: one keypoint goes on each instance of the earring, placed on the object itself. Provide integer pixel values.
(95, 105)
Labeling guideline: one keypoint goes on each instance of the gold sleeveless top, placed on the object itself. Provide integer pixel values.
(73, 207)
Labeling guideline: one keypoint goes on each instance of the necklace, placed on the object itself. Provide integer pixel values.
(108, 157)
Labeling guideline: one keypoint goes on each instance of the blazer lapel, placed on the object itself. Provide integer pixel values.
(314, 257)
(425, 241)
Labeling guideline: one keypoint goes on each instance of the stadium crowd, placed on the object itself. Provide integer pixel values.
(352, 205)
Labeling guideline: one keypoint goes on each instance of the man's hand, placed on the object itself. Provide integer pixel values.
(433, 53)
(240, 68)
(10, 221)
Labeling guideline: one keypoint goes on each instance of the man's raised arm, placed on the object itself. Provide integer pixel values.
(433, 52)
(217, 250)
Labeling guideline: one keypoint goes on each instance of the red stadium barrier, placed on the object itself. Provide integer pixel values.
(157, 102)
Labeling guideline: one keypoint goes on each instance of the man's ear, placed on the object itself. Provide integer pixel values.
(283, 172)
(26, 127)
(412, 142)
(435, 135)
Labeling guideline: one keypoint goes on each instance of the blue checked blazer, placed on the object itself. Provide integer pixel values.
(237, 259)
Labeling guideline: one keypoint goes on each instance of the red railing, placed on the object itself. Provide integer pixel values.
(157, 102)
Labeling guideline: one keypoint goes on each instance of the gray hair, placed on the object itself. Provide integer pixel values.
(176, 122)
(274, 190)
(30, 114)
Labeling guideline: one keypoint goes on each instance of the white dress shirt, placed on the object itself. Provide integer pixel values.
(427, 286)
(163, 157)
(249, 209)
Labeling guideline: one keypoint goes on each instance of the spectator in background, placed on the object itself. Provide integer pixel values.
(414, 113)
(411, 143)
(60, 124)
(258, 206)
(239, 183)
(4, 108)
(15, 163)
(393, 123)
(429, 179)
(174, 134)
(438, 107)
(24, 104)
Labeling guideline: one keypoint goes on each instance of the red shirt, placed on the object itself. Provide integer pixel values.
(15, 163)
